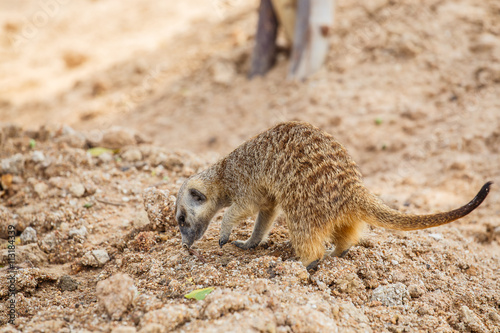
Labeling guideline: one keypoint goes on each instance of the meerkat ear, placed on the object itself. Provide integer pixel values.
(197, 195)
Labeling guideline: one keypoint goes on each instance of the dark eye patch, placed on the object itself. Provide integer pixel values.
(182, 219)
(197, 196)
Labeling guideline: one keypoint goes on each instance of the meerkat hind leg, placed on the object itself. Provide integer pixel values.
(261, 229)
(309, 244)
(345, 237)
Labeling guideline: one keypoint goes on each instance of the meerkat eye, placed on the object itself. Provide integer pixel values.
(182, 219)
(197, 196)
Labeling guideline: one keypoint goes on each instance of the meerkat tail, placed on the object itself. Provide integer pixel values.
(379, 214)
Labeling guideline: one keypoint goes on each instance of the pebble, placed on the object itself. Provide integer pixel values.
(415, 290)
(391, 294)
(67, 283)
(140, 219)
(48, 243)
(436, 236)
(28, 236)
(117, 138)
(77, 190)
(95, 258)
(471, 320)
(105, 158)
(13, 164)
(37, 156)
(306, 319)
(71, 138)
(132, 155)
(169, 316)
(78, 233)
(116, 294)
(41, 190)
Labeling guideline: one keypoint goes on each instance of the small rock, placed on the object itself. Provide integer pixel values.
(41, 190)
(494, 317)
(391, 294)
(169, 317)
(160, 208)
(78, 233)
(415, 290)
(95, 258)
(116, 294)
(48, 243)
(436, 236)
(72, 138)
(67, 283)
(124, 329)
(105, 158)
(395, 262)
(350, 283)
(353, 318)
(37, 156)
(13, 164)
(306, 319)
(140, 219)
(117, 138)
(77, 190)
(132, 155)
(28, 236)
(471, 320)
(94, 138)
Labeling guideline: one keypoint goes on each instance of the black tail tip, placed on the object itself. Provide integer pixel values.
(486, 187)
(483, 192)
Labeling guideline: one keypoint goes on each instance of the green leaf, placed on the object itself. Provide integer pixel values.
(378, 121)
(199, 294)
(88, 204)
(32, 143)
(96, 151)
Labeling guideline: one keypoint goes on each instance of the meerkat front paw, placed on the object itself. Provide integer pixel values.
(223, 240)
(312, 267)
(244, 245)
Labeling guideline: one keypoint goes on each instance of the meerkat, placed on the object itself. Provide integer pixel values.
(303, 172)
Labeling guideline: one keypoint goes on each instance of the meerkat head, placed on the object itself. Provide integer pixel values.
(195, 207)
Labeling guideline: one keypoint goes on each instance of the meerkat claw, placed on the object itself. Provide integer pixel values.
(344, 253)
(244, 245)
(223, 242)
(312, 267)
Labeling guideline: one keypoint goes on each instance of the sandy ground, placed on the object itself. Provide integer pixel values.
(411, 91)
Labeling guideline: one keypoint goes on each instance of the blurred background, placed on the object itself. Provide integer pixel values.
(410, 88)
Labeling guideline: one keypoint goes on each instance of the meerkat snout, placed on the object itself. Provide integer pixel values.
(194, 210)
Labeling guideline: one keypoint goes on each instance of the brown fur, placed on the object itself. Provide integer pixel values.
(296, 168)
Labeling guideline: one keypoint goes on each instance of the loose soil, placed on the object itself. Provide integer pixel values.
(410, 89)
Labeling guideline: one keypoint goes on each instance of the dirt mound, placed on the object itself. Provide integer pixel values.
(82, 215)
(410, 89)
